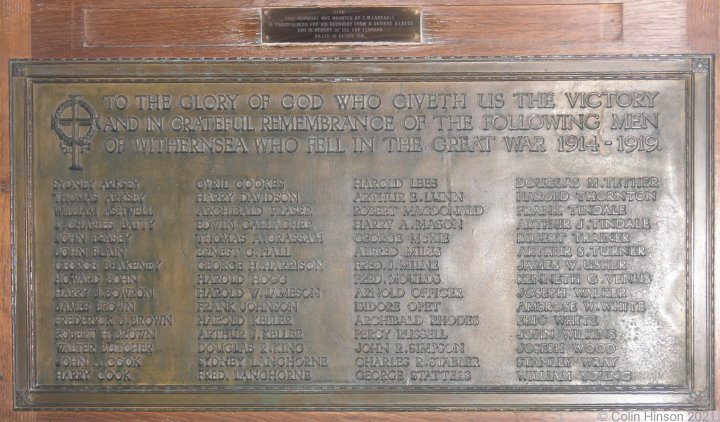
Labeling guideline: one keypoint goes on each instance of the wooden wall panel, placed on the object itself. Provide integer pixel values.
(232, 26)
(170, 27)
(228, 28)
(15, 43)
(99, 28)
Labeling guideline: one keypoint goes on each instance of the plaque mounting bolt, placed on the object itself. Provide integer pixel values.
(700, 64)
(698, 398)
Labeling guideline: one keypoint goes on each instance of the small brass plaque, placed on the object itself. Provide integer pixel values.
(341, 24)
(363, 234)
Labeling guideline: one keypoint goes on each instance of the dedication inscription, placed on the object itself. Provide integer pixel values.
(341, 24)
(366, 234)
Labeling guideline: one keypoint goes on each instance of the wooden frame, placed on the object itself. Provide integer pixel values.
(65, 29)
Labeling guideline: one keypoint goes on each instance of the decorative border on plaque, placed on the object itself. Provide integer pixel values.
(26, 393)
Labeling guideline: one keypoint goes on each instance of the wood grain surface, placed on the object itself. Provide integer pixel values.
(14, 43)
(229, 28)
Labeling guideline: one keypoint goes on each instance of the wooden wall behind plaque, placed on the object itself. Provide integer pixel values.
(229, 28)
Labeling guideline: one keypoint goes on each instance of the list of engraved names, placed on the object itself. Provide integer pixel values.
(425, 233)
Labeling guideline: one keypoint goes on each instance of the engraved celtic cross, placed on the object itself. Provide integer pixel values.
(74, 123)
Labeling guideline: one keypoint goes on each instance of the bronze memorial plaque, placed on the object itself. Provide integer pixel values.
(511, 233)
(341, 24)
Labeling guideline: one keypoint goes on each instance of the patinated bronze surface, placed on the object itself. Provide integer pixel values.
(363, 234)
(341, 24)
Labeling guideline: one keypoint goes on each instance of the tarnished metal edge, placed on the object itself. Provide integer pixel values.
(499, 58)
